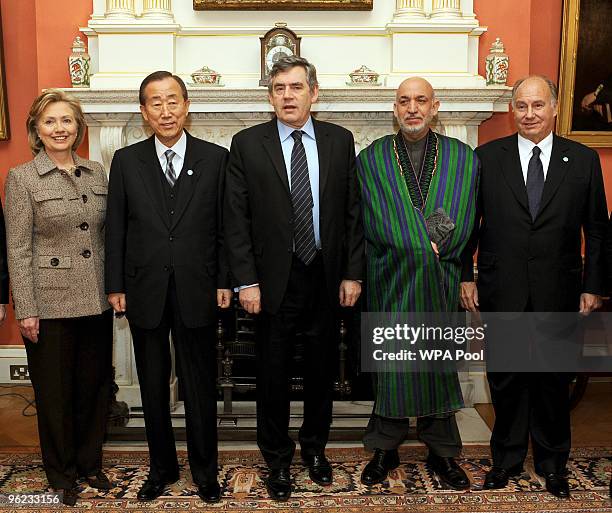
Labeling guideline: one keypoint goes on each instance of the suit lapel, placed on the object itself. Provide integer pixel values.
(324, 150)
(149, 171)
(272, 145)
(512, 171)
(557, 169)
(189, 177)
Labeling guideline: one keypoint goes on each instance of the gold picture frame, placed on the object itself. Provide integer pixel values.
(283, 5)
(585, 64)
(4, 117)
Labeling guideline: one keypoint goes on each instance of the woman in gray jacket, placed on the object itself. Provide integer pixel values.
(55, 209)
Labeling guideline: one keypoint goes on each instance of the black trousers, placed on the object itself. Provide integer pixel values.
(532, 405)
(195, 357)
(438, 432)
(71, 372)
(305, 309)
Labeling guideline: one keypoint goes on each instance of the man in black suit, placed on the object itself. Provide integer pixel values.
(538, 193)
(165, 270)
(295, 246)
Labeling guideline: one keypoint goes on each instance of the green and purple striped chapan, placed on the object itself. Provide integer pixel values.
(403, 272)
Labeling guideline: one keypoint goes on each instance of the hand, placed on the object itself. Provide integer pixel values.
(589, 302)
(2, 314)
(468, 296)
(29, 328)
(224, 298)
(350, 291)
(435, 248)
(117, 301)
(250, 299)
(587, 101)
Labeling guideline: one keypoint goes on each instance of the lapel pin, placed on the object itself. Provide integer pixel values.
(189, 172)
(565, 159)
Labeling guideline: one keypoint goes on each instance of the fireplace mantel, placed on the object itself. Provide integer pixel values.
(217, 113)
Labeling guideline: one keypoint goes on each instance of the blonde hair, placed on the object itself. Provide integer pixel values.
(45, 99)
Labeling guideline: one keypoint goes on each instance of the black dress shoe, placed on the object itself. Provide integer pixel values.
(69, 496)
(557, 485)
(498, 477)
(152, 489)
(319, 469)
(278, 484)
(99, 481)
(379, 466)
(449, 472)
(210, 492)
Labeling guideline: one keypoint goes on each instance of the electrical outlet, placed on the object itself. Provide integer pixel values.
(19, 373)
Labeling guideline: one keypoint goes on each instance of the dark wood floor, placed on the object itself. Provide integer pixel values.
(591, 420)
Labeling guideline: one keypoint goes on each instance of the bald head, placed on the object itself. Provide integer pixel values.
(415, 107)
(415, 84)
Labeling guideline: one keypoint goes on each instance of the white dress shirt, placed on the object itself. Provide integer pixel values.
(180, 147)
(525, 148)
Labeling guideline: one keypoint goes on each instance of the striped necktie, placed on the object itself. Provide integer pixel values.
(301, 197)
(170, 173)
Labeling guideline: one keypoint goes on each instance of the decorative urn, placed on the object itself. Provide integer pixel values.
(497, 64)
(79, 64)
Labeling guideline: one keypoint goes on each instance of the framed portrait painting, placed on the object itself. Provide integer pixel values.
(585, 80)
(4, 119)
(284, 5)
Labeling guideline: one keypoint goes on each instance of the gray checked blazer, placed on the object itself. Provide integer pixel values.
(55, 238)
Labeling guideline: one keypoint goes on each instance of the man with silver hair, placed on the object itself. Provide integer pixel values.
(540, 194)
(294, 237)
(419, 202)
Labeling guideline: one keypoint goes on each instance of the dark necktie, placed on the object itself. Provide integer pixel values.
(170, 173)
(535, 182)
(301, 197)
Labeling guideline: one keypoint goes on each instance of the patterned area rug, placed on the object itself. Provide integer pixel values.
(412, 487)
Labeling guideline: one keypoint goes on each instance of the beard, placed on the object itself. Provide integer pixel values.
(415, 129)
